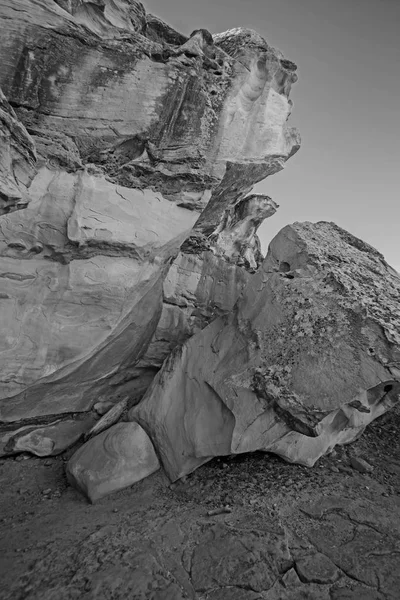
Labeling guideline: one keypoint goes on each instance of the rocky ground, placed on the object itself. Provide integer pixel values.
(287, 532)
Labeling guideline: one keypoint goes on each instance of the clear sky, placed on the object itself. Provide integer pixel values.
(346, 106)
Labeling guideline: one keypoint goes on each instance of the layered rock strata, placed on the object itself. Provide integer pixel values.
(137, 131)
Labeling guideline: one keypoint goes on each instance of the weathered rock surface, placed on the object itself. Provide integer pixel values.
(137, 130)
(112, 460)
(306, 360)
(317, 568)
(197, 288)
(352, 535)
(248, 563)
(138, 248)
(48, 439)
(17, 160)
(206, 278)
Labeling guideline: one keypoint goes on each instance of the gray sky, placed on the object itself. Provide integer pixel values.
(346, 106)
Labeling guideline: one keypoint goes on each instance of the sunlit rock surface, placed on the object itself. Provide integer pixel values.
(309, 356)
(138, 131)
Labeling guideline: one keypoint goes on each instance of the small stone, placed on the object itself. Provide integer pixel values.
(21, 457)
(344, 469)
(291, 579)
(46, 492)
(102, 407)
(115, 510)
(48, 463)
(361, 465)
(334, 469)
(317, 568)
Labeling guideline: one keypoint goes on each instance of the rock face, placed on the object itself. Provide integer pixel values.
(137, 131)
(308, 357)
(17, 159)
(133, 151)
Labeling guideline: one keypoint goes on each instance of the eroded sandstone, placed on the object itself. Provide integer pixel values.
(138, 131)
(133, 151)
(113, 460)
(17, 160)
(309, 356)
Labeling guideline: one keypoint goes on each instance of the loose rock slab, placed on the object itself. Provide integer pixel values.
(113, 460)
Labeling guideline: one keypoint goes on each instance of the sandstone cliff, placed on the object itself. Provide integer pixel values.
(133, 151)
(137, 129)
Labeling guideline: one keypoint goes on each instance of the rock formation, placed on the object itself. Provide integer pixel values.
(133, 150)
(307, 358)
(136, 128)
(17, 159)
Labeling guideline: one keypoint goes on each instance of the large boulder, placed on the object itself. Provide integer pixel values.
(137, 130)
(112, 461)
(308, 357)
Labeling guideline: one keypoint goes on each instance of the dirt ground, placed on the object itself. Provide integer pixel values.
(330, 532)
